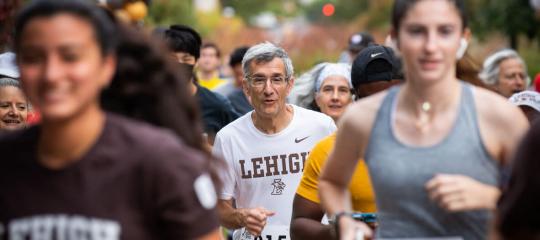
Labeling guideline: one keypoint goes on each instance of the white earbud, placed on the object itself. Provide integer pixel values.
(463, 44)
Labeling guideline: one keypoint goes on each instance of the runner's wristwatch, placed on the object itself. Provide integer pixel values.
(335, 220)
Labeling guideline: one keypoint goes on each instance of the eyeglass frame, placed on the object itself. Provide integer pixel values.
(266, 78)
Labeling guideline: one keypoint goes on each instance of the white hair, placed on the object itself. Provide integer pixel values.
(334, 69)
(266, 52)
(9, 82)
(303, 91)
(490, 72)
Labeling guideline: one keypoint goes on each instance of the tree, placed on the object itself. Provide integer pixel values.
(513, 18)
(167, 12)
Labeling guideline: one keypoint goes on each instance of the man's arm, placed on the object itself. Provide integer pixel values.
(230, 217)
(306, 220)
(253, 219)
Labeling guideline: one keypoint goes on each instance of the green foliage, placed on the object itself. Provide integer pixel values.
(167, 12)
(247, 9)
(513, 18)
(344, 9)
(379, 16)
(531, 55)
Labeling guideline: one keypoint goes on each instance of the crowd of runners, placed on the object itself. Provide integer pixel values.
(111, 131)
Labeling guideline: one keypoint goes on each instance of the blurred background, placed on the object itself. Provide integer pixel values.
(318, 30)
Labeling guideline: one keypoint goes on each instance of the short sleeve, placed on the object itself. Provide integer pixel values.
(226, 174)
(184, 195)
(308, 187)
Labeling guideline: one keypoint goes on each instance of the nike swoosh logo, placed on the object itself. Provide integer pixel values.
(375, 54)
(296, 140)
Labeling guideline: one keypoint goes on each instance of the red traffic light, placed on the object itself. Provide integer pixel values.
(328, 9)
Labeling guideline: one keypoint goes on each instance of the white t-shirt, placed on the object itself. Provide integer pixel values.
(264, 170)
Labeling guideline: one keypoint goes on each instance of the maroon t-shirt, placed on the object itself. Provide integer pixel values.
(136, 182)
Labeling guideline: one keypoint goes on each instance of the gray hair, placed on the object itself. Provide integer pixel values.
(266, 52)
(303, 92)
(9, 82)
(490, 71)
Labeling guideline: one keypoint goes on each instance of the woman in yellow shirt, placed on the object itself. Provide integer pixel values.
(369, 75)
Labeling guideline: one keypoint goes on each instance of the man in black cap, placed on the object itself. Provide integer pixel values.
(357, 42)
(375, 69)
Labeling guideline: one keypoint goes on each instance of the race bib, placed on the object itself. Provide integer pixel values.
(270, 232)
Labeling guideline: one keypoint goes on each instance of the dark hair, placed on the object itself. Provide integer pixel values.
(401, 7)
(8, 8)
(149, 86)
(237, 55)
(104, 28)
(518, 207)
(212, 45)
(182, 38)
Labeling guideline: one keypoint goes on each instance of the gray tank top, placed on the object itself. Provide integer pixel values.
(399, 173)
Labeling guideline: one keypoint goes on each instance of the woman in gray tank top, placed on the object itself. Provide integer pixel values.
(433, 145)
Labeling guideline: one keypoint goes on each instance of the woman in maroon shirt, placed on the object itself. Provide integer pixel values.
(85, 173)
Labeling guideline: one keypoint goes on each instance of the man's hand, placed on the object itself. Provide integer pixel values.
(254, 219)
(461, 193)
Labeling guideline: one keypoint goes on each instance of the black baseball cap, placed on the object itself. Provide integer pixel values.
(375, 63)
(359, 41)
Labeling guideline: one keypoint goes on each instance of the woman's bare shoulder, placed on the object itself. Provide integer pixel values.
(501, 124)
(496, 108)
(361, 114)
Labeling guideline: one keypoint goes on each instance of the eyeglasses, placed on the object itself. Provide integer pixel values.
(260, 81)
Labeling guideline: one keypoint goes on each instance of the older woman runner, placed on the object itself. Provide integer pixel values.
(326, 88)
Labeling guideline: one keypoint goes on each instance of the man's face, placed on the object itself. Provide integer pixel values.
(511, 77)
(209, 60)
(184, 57)
(267, 87)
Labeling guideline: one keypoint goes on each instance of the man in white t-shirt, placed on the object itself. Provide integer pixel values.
(265, 149)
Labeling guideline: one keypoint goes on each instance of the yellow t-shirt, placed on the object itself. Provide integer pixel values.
(363, 199)
(211, 83)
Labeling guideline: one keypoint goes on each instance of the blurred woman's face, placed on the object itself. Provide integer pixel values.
(333, 96)
(61, 65)
(428, 39)
(13, 108)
